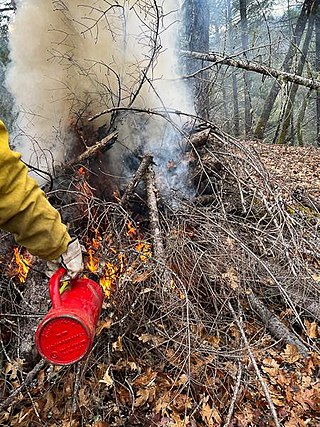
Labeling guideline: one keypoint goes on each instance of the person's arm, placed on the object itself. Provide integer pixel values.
(24, 208)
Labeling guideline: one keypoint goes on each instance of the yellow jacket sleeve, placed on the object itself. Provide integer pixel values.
(24, 208)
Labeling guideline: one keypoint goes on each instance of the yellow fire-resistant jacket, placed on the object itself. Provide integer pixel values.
(24, 209)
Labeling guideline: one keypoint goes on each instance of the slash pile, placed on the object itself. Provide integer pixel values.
(212, 307)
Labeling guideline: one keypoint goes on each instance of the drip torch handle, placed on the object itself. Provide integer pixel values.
(54, 287)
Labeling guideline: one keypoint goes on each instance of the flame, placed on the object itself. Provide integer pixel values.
(132, 232)
(94, 264)
(110, 274)
(82, 184)
(145, 250)
(108, 271)
(143, 247)
(22, 264)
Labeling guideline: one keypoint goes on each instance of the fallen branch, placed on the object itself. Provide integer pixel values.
(255, 365)
(92, 151)
(138, 176)
(29, 378)
(154, 219)
(274, 325)
(76, 389)
(254, 66)
(234, 397)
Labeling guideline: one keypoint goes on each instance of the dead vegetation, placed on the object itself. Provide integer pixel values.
(213, 307)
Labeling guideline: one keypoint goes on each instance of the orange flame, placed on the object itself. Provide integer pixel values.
(143, 247)
(110, 272)
(23, 263)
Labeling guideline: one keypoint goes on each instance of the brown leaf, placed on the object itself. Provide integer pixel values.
(107, 379)
(270, 366)
(312, 329)
(117, 345)
(291, 354)
(145, 395)
(100, 424)
(209, 415)
(104, 324)
(232, 278)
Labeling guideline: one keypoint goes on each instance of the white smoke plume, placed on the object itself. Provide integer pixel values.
(73, 59)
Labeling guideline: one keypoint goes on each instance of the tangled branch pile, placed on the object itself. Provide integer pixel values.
(217, 326)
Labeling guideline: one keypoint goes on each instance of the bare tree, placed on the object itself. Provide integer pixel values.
(286, 67)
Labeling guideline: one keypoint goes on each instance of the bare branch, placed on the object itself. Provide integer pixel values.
(254, 66)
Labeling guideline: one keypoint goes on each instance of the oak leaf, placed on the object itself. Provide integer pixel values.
(311, 329)
(291, 354)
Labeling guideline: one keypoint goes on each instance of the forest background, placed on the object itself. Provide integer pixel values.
(279, 35)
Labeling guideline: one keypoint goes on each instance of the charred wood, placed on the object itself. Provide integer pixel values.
(154, 221)
(138, 176)
(101, 146)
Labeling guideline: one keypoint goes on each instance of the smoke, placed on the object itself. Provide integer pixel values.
(73, 59)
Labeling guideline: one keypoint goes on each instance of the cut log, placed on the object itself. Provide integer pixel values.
(91, 152)
(155, 227)
(275, 326)
(138, 176)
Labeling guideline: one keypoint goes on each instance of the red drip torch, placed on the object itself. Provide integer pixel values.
(65, 335)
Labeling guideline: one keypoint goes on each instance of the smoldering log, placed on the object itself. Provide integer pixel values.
(138, 176)
(91, 152)
(154, 219)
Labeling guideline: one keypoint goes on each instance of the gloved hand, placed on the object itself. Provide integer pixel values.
(71, 260)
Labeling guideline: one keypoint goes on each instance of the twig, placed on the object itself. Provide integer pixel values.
(76, 389)
(254, 363)
(29, 378)
(138, 176)
(234, 397)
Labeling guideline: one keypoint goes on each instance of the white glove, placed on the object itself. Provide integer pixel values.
(71, 260)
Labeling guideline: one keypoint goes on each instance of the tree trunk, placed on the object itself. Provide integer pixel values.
(235, 97)
(288, 114)
(196, 35)
(246, 77)
(300, 118)
(317, 66)
(286, 66)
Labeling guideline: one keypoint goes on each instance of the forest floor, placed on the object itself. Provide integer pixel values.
(292, 167)
(194, 354)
